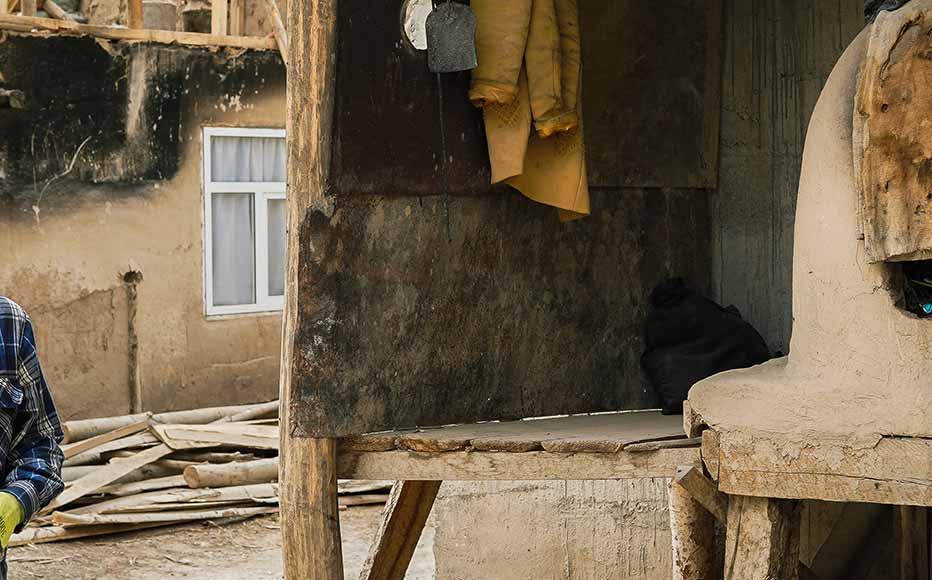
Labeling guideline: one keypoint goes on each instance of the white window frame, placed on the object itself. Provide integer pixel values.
(262, 192)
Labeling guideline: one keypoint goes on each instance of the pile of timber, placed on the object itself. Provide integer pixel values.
(142, 471)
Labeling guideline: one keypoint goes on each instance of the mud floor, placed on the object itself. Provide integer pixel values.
(239, 551)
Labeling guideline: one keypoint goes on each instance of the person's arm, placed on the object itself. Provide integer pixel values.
(34, 462)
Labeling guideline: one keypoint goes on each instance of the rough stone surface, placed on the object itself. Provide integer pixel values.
(516, 316)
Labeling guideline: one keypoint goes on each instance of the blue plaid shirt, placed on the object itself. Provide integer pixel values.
(30, 458)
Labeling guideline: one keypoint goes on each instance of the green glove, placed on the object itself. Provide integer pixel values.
(11, 515)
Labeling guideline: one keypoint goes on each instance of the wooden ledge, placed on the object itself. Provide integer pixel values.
(504, 466)
(34, 25)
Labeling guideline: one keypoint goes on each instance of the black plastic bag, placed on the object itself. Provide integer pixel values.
(689, 338)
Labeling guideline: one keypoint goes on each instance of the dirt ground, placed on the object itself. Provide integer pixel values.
(244, 550)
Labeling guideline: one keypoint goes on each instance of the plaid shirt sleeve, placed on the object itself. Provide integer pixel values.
(34, 460)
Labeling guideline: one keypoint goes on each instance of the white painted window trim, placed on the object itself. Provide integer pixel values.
(262, 192)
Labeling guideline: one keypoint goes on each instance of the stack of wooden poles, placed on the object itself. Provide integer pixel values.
(141, 471)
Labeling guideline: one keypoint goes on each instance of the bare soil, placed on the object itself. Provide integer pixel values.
(245, 550)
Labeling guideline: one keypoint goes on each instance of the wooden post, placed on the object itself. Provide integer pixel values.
(308, 487)
(278, 28)
(402, 523)
(218, 17)
(762, 542)
(134, 14)
(4, 7)
(237, 17)
(692, 528)
(912, 535)
(29, 7)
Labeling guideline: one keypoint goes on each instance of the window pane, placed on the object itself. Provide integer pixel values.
(247, 159)
(233, 249)
(276, 247)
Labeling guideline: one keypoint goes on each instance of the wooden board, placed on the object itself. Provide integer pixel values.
(530, 466)
(651, 92)
(40, 25)
(604, 433)
(218, 434)
(894, 471)
(892, 144)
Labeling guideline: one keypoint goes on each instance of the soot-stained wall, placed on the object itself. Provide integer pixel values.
(107, 258)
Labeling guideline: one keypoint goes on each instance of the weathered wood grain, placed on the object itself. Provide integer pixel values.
(402, 523)
(702, 490)
(762, 540)
(692, 528)
(533, 465)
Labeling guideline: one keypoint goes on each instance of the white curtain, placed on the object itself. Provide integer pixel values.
(233, 248)
(276, 246)
(247, 159)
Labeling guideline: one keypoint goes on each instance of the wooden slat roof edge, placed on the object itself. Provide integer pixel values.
(35, 25)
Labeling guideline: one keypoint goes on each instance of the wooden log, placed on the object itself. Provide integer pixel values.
(278, 28)
(692, 530)
(150, 471)
(311, 545)
(762, 541)
(214, 456)
(262, 493)
(29, 7)
(118, 433)
(310, 516)
(229, 474)
(134, 20)
(703, 491)
(4, 7)
(98, 454)
(86, 428)
(403, 521)
(59, 533)
(256, 412)
(54, 10)
(219, 10)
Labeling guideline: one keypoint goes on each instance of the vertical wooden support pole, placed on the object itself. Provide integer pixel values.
(762, 542)
(402, 523)
(218, 16)
(29, 7)
(237, 17)
(134, 13)
(4, 7)
(278, 28)
(912, 535)
(308, 479)
(692, 528)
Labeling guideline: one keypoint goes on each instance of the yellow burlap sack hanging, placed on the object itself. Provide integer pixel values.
(547, 165)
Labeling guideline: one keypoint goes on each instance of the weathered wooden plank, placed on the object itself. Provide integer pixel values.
(534, 465)
(218, 434)
(237, 10)
(710, 452)
(134, 14)
(702, 491)
(402, 523)
(762, 540)
(892, 102)
(29, 7)
(219, 10)
(671, 444)
(692, 529)
(603, 433)
(38, 25)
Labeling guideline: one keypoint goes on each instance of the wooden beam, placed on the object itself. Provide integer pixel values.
(532, 465)
(308, 477)
(4, 7)
(33, 25)
(237, 18)
(74, 449)
(218, 16)
(278, 28)
(703, 491)
(895, 470)
(762, 541)
(402, 523)
(692, 530)
(53, 10)
(134, 14)
(29, 7)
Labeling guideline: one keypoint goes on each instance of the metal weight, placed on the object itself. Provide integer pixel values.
(451, 38)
